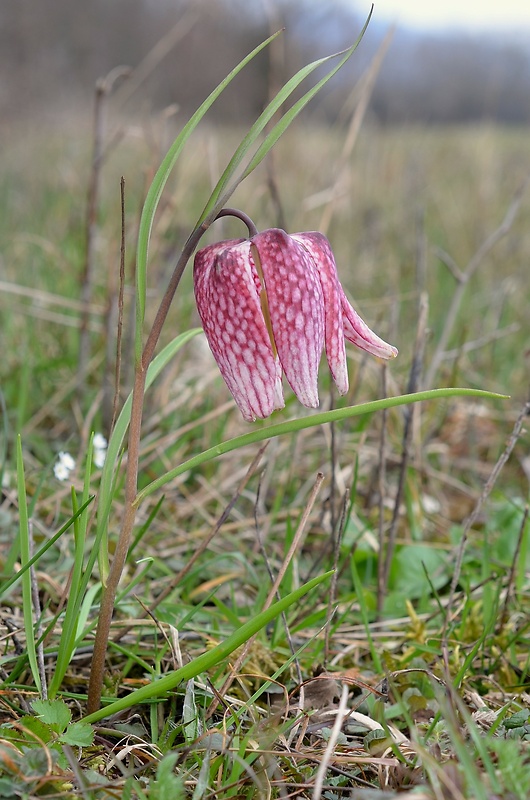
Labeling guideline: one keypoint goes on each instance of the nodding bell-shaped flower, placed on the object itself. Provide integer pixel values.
(268, 306)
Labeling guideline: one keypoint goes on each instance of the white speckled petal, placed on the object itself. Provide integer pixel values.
(320, 251)
(296, 306)
(228, 302)
(357, 331)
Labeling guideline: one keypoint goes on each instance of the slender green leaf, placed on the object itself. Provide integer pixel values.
(208, 660)
(76, 593)
(265, 117)
(311, 421)
(38, 555)
(24, 538)
(282, 124)
(106, 490)
(160, 179)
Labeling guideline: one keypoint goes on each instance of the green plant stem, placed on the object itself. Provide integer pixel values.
(133, 456)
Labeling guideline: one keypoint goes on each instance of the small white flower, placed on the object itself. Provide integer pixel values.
(99, 457)
(100, 443)
(63, 466)
(100, 450)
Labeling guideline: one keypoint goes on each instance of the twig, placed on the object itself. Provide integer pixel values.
(511, 578)
(366, 88)
(382, 488)
(490, 483)
(77, 772)
(267, 562)
(337, 540)
(476, 344)
(154, 57)
(133, 458)
(342, 713)
(121, 297)
(464, 277)
(90, 232)
(414, 380)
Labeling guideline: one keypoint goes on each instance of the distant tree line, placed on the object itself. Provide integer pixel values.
(53, 51)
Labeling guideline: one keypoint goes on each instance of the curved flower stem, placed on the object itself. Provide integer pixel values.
(133, 456)
(235, 212)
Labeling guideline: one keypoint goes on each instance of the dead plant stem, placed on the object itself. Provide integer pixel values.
(414, 380)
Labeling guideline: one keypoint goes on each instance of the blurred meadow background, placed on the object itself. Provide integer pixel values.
(414, 161)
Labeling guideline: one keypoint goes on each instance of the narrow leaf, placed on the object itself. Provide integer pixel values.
(45, 547)
(118, 435)
(209, 659)
(293, 112)
(311, 421)
(24, 539)
(265, 117)
(160, 179)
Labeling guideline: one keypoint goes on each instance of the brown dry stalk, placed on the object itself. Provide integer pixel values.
(414, 380)
(133, 458)
(131, 478)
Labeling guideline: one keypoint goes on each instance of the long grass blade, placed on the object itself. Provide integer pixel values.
(75, 597)
(299, 424)
(265, 117)
(282, 124)
(107, 481)
(42, 550)
(160, 179)
(24, 539)
(211, 658)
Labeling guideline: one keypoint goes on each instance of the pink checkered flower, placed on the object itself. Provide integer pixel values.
(269, 305)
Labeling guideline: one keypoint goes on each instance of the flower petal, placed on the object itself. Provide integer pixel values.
(320, 250)
(357, 331)
(227, 295)
(296, 306)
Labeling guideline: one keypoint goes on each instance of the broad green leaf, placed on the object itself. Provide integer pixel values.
(79, 734)
(517, 720)
(166, 786)
(54, 713)
(411, 562)
(36, 731)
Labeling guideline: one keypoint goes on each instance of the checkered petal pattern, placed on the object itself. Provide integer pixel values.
(268, 306)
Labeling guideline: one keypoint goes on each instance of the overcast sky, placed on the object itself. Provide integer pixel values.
(439, 14)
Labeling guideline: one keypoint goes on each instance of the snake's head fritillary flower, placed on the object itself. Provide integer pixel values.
(268, 306)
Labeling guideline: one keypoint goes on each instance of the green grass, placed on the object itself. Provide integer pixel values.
(449, 695)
